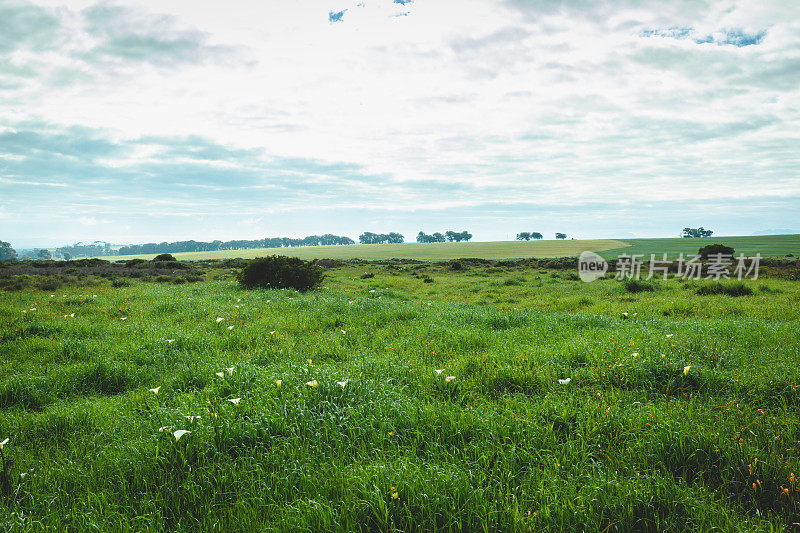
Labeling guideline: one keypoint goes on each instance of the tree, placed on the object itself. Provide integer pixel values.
(457, 236)
(714, 249)
(696, 233)
(67, 256)
(7, 253)
(537, 235)
(44, 255)
(524, 236)
(561, 235)
(438, 237)
(395, 238)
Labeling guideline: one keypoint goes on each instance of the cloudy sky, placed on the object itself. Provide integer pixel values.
(188, 119)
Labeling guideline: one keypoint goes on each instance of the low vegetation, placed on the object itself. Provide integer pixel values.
(501, 396)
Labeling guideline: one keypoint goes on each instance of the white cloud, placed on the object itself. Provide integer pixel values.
(526, 101)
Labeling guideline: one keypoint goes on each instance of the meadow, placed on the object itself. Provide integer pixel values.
(766, 245)
(402, 397)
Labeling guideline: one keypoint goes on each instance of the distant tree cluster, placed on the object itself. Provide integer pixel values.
(561, 236)
(696, 233)
(528, 235)
(448, 236)
(425, 238)
(213, 246)
(79, 249)
(7, 253)
(380, 238)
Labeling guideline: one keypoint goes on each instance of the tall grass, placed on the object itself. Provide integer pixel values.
(453, 415)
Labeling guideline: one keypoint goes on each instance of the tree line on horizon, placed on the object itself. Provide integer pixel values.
(448, 236)
(102, 248)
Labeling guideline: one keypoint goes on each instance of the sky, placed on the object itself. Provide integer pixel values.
(164, 120)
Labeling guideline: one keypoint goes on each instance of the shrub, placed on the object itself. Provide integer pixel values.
(134, 262)
(635, 285)
(280, 272)
(713, 249)
(730, 289)
(164, 257)
(367, 275)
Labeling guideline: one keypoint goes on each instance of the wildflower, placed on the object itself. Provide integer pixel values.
(342, 383)
(230, 328)
(169, 341)
(309, 361)
(391, 433)
(235, 401)
(3, 444)
(791, 478)
(220, 374)
(785, 490)
(395, 495)
(278, 383)
(564, 381)
(180, 433)
(191, 418)
(272, 332)
(344, 332)
(663, 356)
(230, 369)
(635, 354)
(669, 335)
(439, 372)
(155, 391)
(124, 318)
(313, 384)
(219, 319)
(448, 379)
(686, 370)
(372, 291)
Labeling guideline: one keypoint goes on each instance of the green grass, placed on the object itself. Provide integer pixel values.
(423, 252)
(633, 442)
(767, 246)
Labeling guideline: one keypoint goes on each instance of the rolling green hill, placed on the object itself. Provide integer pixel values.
(767, 246)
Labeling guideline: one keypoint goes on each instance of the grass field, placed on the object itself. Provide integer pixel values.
(422, 252)
(452, 412)
(767, 246)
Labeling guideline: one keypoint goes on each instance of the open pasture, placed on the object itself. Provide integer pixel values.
(401, 397)
(767, 246)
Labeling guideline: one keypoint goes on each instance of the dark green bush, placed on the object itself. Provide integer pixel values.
(134, 262)
(635, 285)
(713, 249)
(164, 257)
(730, 289)
(280, 272)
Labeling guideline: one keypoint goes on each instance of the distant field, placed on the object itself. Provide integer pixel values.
(424, 252)
(767, 246)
